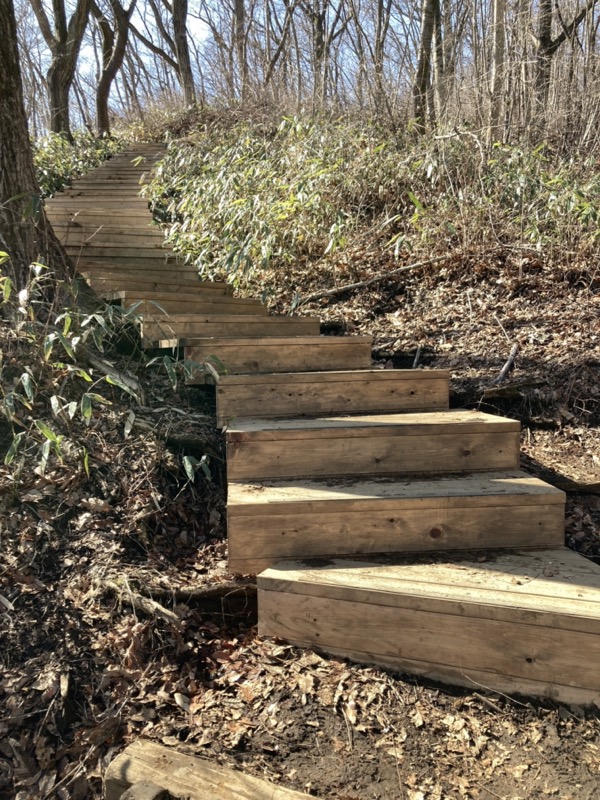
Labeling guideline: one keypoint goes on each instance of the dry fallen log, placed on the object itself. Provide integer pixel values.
(375, 279)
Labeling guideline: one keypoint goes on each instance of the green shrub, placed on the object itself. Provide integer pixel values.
(246, 198)
(58, 161)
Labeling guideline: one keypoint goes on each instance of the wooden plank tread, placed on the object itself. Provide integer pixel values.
(544, 582)
(282, 341)
(362, 425)
(491, 488)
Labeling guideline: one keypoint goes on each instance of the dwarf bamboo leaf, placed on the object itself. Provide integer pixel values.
(45, 456)
(129, 422)
(47, 432)
(86, 407)
(189, 464)
(14, 448)
(28, 385)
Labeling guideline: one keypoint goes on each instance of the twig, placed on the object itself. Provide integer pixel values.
(106, 368)
(509, 364)
(502, 327)
(145, 604)
(417, 356)
(489, 703)
(212, 591)
(375, 279)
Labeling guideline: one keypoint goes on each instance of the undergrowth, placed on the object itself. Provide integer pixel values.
(58, 161)
(251, 200)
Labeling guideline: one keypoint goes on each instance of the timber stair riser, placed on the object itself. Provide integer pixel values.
(155, 268)
(402, 444)
(108, 286)
(327, 393)
(525, 623)
(269, 522)
(99, 250)
(76, 238)
(188, 328)
(147, 304)
(274, 354)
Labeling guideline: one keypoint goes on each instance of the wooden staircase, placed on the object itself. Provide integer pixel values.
(386, 528)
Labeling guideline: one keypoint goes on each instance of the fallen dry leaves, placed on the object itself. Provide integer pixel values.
(105, 637)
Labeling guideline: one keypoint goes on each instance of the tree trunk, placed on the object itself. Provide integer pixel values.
(64, 40)
(546, 48)
(429, 13)
(239, 35)
(25, 233)
(114, 43)
(497, 76)
(182, 50)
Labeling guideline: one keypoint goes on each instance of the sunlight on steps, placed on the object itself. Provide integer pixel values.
(457, 569)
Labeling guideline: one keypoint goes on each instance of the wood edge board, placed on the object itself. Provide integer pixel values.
(196, 777)
(329, 505)
(337, 376)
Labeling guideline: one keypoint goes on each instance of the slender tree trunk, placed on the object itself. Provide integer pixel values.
(182, 50)
(64, 40)
(497, 76)
(429, 11)
(114, 44)
(239, 34)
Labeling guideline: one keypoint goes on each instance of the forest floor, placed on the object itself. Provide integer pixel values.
(88, 664)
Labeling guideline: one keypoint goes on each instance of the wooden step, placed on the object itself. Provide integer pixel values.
(84, 260)
(139, 218)
(175, 273)
(97, 250)
(76, 231)
(276, 354)
(520, 622)
(289, 394)
(271, 521)
(78, 238)
(104, 193)
(154, 268)
(382, 444)
(151, 303)
(71, 199)
(107, 285)
(186, 328)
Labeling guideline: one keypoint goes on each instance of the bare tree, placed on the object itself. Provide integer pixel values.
(64, 39)
(114, 34)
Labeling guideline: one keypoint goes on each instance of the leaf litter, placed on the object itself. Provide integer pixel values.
(109, 633)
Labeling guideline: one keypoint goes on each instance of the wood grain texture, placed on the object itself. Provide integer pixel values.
(295, 519)
(152, 303)
(329, 393)
(382, 444)
(299, 353)
(108, 285)
(192, 326)
(519, 617)
(186, 776)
